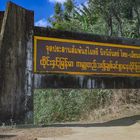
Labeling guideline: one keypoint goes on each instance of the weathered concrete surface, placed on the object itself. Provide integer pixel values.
(1, 18)
(16, 64)
(67, 81)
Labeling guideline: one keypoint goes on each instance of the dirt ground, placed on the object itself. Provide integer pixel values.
(32, 133)
(127, 128)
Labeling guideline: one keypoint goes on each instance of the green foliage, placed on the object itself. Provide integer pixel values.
(69, 6)
(58, 9)
(105, 17)
(60, 105)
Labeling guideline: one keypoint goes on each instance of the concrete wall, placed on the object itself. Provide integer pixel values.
(1, 18)
(16, 76)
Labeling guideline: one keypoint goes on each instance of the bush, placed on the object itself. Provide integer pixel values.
(61, 105)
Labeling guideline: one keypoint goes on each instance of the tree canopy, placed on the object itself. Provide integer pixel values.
(105, 17)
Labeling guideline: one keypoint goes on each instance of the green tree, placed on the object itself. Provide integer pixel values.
(68, 9)
(107, 17)
(57, 18)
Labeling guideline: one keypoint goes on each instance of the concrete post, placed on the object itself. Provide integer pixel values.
(16, 78)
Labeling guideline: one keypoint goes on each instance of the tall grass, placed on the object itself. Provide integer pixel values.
(61, 105)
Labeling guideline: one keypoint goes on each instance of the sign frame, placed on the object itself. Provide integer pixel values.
(103, 74)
